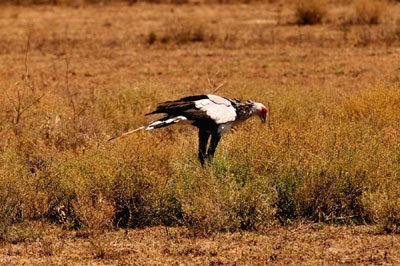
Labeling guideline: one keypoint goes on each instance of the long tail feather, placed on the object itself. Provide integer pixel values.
(123, 135)
(166, 121)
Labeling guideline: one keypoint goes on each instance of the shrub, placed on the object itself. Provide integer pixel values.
(226, 196)
(151, 38)
(383, 207)
(368, 11)
(323, 157)
(183, 33)
(310, 11)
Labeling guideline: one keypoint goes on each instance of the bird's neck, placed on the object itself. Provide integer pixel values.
(244, 111)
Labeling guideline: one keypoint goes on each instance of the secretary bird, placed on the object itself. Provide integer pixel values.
(213, 115)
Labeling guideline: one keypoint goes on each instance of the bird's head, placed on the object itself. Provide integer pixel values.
(261, 111)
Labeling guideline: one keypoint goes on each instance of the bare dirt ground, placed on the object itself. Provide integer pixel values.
(108, 47)
(303, 245)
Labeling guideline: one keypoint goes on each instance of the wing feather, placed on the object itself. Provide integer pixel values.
(217, 108)
(200, 107)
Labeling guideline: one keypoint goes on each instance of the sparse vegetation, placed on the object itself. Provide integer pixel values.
(310, 11)
(329, 154)
(183, 32)
(368, 11)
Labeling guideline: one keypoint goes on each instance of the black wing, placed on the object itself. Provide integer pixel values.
(178, 107)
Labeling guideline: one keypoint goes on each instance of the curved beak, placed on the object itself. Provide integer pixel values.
(263, 119)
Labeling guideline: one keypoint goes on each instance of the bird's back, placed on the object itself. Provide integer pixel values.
(213, 108)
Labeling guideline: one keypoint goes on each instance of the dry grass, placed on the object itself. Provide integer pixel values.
(82, 3)
(302, 244)
(330, 152)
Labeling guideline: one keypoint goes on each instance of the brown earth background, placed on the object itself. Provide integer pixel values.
(317, 185)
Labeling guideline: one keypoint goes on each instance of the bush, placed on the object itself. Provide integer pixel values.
(310, 11)
(325, 156)
(227, 196)
(184, 32)
(383, 207)
(368, 11)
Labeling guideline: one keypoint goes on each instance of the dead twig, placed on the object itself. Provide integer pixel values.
(213, 86)
(18, 103)
(67, 89)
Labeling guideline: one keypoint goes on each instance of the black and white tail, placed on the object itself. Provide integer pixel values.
(163, 122)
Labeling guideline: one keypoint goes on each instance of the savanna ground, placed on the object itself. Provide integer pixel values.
(318, 184)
